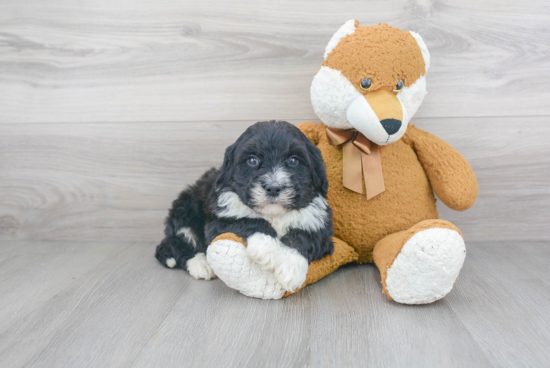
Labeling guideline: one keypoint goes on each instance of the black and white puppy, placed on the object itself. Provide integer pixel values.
(270, 191)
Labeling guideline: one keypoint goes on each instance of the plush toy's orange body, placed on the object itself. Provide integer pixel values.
(408, 197)
(382, 172)
(407, 206)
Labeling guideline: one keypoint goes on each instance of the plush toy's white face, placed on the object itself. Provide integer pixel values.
(372, 80)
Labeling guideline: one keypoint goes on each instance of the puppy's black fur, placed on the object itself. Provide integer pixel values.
(275, 146)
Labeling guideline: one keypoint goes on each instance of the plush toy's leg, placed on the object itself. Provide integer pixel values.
(420, 265)
(229, 259)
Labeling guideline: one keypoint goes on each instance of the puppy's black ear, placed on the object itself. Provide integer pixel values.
(318, 171)
(226, 171)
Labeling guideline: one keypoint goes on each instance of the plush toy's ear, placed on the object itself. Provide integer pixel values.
(348, 28)
(226, 172)
(318, 171)
(423, 48)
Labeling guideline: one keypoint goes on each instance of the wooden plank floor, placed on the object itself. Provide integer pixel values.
(101, 304)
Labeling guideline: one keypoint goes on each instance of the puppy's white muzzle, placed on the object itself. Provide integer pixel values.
(267, 202)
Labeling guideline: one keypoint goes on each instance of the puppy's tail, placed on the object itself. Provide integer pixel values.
(184, 226)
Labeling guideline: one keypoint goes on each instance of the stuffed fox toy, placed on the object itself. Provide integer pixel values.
(382, 172)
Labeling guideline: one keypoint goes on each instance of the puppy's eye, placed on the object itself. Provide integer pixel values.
(253, 161)
(293, 161)
(399, 85)
(366, 84)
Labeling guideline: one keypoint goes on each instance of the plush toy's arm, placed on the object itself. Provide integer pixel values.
(311, 130)
(229, 259)
(451, 177)
(242, 228)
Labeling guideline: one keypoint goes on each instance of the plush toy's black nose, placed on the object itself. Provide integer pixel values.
(391, 126)
(272, 190)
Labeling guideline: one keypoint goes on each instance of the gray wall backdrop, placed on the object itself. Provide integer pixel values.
(108, 109)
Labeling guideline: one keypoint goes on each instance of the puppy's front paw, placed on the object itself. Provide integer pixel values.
(262, 249)
(291, 270)
(288, 266)
(199, 268)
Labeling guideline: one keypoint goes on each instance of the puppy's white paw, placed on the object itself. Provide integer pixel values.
(291, 269)
(288, 266)
(199, 268)
(262, 250)
(171, 262)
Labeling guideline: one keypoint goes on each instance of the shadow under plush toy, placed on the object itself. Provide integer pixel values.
(382, 172)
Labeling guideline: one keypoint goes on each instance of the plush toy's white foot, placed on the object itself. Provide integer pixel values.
(427, 267)
(262, 271)
(199, 268)
(231, 263)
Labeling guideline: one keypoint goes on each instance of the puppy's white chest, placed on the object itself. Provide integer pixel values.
(279, 225)
(310, 218)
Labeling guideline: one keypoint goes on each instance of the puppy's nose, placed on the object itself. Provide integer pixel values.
(391, 126)
(272, 190)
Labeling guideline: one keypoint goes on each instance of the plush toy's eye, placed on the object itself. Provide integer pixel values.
(398, 86)
(366, 84)
(253, 161)
(293, 161)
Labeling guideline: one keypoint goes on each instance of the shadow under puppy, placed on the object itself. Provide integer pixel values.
(271, 192)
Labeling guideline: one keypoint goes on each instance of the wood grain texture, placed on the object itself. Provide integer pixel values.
(95, 304)
(507, 289)
(32, 275)
(116, 181)
(109, 108)
(127, 61)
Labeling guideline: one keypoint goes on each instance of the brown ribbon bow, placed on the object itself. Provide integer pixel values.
(360, 154)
